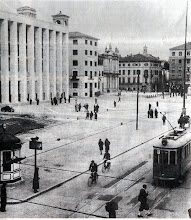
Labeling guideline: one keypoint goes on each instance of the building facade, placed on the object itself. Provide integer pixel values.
(110, 61)
(85, 76)
(147, 66)
(33, 56)
(176, 65)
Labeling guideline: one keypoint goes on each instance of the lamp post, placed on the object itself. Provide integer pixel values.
(36, 145)
(138, 73)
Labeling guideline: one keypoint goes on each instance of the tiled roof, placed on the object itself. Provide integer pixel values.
(81, 35)
(60, 14)
(139, 58)
(181, 47)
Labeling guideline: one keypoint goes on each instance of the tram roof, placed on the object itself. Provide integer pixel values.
(174, 141)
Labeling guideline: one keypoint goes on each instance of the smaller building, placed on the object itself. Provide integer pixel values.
(110, 62)
(147, 66)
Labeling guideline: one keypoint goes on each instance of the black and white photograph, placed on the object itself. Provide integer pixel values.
(95, 107)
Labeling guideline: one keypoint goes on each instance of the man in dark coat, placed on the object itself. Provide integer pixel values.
(91, 115)
(111, 207)
(100, 143)
(3, 197)
(142, 198)
(107, 143)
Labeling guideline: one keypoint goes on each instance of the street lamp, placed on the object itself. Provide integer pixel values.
(36, 145)
(138, 73)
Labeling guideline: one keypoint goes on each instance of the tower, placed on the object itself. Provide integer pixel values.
(145, 50)
(60, 19)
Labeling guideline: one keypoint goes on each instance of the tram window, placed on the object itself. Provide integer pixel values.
(172, 157)
(164, 157)
(183, 152)
(6, 158)
(155, 156)
(179, 156)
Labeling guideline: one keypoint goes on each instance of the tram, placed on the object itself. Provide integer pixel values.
(172, 156)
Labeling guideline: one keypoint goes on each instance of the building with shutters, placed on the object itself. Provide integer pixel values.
(149, 68)
(33, 56)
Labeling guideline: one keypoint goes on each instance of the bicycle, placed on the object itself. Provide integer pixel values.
(106, 167)
(93, 179)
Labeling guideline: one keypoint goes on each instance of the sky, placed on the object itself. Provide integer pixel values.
(126, 24)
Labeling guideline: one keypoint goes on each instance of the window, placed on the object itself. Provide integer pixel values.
(163, 157)
(95, 43)
(75, 73)
(172, 157)
(146, 64)
(90, 52)
(134, 79)
(180, 61)
(86, 94)
(134, 72)
(86, 73)
(75, 62)
(6, 158)
(155, 156)
(86, 85)
(123, 79)
(95, 53)
(75, 52)
(129, 80)
(90, 63)
(188, 53)
(119, 71)
(75, 85)
(173, 54)
(180, 53)
(95, 73)
(86, 62)
(86, 52)
(123, 72)
(95, 63)
(75, 94)
(129, 64)
(120, 64)
(129, 72)
(95, 85)
(90, 74)
(188, 61)
(75, 42)
(86, 41)
(90, 42)
(124, 64)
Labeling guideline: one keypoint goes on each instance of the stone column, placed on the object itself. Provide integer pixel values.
(30, 43)
(53, 63)
(45, 74)
(59, 63)
(4, 62)
(65, 64)
(38, 57)
(22, 62)
(13, 62)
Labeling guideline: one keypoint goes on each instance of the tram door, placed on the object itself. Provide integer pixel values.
(163, 161)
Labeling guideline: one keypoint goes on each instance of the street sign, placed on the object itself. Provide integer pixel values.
(35, 145)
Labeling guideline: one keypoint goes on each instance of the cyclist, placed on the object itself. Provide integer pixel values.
(93, 169)
(106, 158)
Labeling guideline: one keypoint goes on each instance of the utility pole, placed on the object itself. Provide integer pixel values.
(138, 73)
(184, 76)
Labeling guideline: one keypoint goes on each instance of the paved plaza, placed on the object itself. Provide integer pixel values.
(71, 142)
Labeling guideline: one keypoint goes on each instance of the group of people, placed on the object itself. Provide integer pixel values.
(106, 156)
(55, 100)
(78, 107)
(152, 113)
(89, 115)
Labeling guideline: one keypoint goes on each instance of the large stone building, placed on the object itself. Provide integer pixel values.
(110, 62)
(84, 71)
(33, 56)
(149, 68)
(176, 64)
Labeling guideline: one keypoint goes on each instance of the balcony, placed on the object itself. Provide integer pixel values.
(74, 78)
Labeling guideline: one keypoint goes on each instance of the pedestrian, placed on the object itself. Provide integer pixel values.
(94, 108)
(151, 113)
(79, 107)
(91, 115)
(142, 198)
(3, 197)
(30, 101)
(95, 116)
(156, 113)
(97, 108)
(107, 145)
(76, 107)
(37, 101)
(114, 103)
(157, 103)
(87, 115)
(60, 100)
(64, 99)
(100, 143)
(69, 99)
(149, 106)
(148, 113)
(111, 207)
(164, 119)
(52, 103)
(119, 99)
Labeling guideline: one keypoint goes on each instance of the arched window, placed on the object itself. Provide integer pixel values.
(58, 22)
